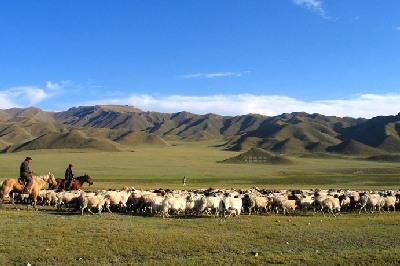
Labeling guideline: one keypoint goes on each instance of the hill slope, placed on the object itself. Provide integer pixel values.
(382, 132)
(353, 147)
(127, 126)
(257, 155)
(74, 139)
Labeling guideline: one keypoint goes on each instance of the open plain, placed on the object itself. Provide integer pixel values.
(49, 236)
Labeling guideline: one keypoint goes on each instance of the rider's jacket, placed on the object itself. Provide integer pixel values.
(68, 174)
(24, 171)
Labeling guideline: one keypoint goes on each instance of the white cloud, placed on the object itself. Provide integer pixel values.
(52, 85)
(214, 75)
(33, 95)
(365, 105)
(313, 5)
(5, 101)
(23, 96)
(56, 85)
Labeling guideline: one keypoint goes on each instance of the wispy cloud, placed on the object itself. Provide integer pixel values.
(51, 85)
(315, 6)
(6, 101)
(22, 96)
(365, 105)
(214, 75)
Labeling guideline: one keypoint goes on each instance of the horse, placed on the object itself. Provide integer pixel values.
(77, 182)
(38, 183)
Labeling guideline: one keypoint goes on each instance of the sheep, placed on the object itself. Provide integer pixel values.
(175, 204)
(145, 202)
(306, 202)
(195, 204)
(231, 205)
(371, 200)
(390, 202)
(345, 202)
(331, 204)
(226, 202)
(248, 203)
(134, 200)
(200, 204)
(318, 199)
(287, 205)
(67, 198)
(93, 201)
(277, 200)
(22, 198)
(156, 204)
(118, 198)
(208, 205)
(261, 203)
(41, 196)
(50, 198)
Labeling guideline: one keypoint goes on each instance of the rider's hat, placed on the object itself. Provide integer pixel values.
(28, 159)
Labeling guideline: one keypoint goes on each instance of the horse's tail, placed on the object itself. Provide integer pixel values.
(1, 192)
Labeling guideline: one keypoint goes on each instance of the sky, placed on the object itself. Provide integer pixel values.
(230, 57)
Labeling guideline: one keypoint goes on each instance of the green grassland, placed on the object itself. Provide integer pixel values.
(54, 238)
(50, 237)
(153, 167)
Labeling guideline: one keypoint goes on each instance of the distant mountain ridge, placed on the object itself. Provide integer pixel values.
(115, 127)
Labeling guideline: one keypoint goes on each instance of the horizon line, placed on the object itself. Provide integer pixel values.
(184, 111)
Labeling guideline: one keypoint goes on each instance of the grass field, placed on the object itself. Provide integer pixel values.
(52, 238)
(48, 237)
(149, 167)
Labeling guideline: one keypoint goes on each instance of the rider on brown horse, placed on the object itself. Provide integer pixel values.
(25, 174)
(69, 176)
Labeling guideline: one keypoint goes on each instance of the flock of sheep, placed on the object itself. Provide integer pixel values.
(220, 202)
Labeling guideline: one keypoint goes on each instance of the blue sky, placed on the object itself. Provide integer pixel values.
(229, 57)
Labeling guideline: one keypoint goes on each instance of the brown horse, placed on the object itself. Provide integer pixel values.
(77, 182)
(12, 185)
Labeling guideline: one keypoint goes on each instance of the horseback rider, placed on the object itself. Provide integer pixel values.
(69, 176)
(25, 174)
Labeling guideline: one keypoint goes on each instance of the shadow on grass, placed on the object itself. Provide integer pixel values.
(69, 212)
(64, 213)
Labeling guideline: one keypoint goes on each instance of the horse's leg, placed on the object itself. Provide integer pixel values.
(74, 185)
(6, 193)
(13, 203)
(34, 204)
(1, 197)
(33, 197)
(79, 184)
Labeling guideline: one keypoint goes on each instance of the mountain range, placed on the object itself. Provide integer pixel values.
(116, 128)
